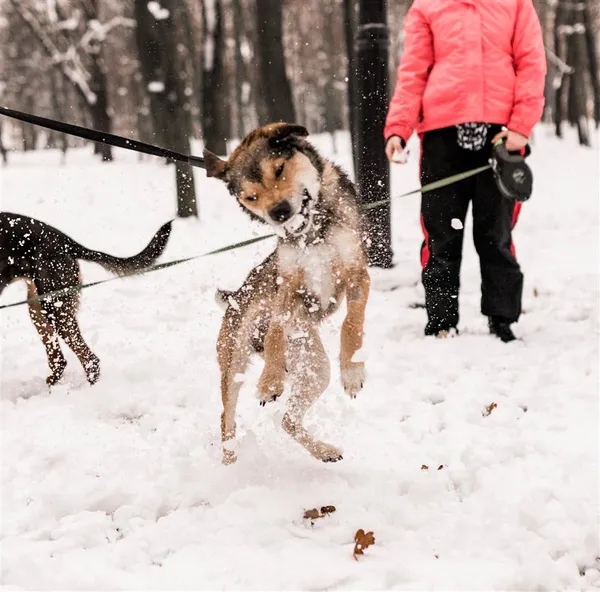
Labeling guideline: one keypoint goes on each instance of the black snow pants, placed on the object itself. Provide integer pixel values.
(443, 213)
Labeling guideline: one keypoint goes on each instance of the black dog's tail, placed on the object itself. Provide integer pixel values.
(126, 265)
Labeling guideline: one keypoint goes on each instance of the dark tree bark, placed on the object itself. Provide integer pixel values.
(274, 84)
(101, 119)
(215, 106)
(56, 84)
(333, 113)
(577, 109)
(241, 73)
(350, 32)
(157, 40)
(592, 53)
(560, 51)
(99, 110)
(3, 150)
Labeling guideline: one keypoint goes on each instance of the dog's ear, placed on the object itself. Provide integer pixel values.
(215, 166)
(284, 132)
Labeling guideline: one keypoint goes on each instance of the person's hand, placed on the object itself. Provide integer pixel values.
(514, 142)
(395, 145)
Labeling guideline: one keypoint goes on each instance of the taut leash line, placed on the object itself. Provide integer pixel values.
(102, 137)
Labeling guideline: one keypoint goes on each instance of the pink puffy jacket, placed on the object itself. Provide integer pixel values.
(469, 61)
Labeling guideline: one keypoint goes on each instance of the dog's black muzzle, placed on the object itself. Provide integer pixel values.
(281, 212)
(513, 175)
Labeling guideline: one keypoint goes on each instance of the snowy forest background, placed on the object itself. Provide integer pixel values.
(170, 71)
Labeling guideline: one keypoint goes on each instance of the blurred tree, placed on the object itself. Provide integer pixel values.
(157, 37)
(215, 104)
(275, 87)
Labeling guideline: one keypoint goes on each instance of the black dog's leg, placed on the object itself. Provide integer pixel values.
(56, 274)
(56, 359)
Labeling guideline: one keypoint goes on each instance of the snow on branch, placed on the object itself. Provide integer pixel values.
(97, 31)
(69, 61)
(51, 11)
(69, 24)
(562, 66)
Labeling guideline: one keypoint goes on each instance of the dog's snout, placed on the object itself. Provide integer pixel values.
(281, 212)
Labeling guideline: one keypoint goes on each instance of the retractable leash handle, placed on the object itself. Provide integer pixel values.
(512, 174)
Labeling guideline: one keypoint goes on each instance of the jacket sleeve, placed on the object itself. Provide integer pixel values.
(416, 62)
(530, 68)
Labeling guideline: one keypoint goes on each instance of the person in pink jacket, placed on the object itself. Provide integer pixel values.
(472, 71)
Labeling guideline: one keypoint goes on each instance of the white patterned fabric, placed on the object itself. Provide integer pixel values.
(472, 136)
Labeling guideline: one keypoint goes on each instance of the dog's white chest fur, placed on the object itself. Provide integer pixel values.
(317, 262)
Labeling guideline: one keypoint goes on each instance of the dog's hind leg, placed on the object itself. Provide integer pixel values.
(56, 359)
(67, 326)
(62, 310)
(233, 356)
(310, 374)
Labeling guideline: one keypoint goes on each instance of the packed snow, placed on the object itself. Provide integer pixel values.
(475, 463)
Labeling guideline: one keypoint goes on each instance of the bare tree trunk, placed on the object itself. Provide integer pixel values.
(3, 150)
(157, 40)
(274, 83)
(241, 74)
(57, 96)
(99, 110)
(350, 32)
(577, 110)
(560, 51)
(592, 53)
(333, 115)
(216, 114)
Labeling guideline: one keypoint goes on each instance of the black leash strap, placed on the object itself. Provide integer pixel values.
(102, 137)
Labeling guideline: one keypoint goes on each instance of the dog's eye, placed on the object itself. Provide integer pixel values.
(251, 198)
(279, 170)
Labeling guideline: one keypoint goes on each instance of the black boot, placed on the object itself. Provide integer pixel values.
(501, 328)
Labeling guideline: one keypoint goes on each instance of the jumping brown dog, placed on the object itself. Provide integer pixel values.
(280, 179)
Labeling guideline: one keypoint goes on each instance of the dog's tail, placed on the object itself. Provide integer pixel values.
(126, 265)
(222, 297)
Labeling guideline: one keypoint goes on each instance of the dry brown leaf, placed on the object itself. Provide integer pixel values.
(536, 292)
(424, 468)
(362, 540)
(312, 514)
(440, 467)
(489, 409)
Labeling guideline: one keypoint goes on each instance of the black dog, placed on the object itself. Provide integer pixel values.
(47, 259)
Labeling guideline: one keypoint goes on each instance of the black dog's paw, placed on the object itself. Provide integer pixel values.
(92, 370)
(57, 372)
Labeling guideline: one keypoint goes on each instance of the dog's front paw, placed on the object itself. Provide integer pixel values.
(270, 386)
(353, 377)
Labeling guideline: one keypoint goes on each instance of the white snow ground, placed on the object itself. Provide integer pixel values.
(120, 486)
